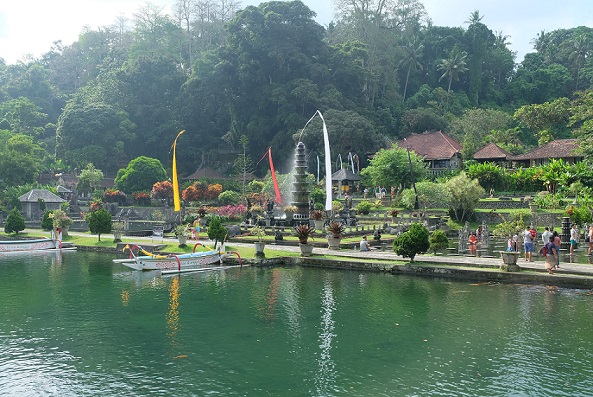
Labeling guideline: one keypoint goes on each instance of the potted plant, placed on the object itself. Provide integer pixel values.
(394, 214)
(202, 211)
(303, 232)
(259, 232)
(61, 221)
(317, 216)
(364, 207)
(289, 210)
(336, 232)
(182, 232)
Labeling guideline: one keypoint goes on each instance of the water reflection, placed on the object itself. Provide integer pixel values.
(272, 296)
(326, 377)
(173, 313)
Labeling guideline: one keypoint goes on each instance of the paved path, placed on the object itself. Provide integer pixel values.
(578, 269)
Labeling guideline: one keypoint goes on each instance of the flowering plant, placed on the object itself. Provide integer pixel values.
(232, 211)
(60, 219)
(142, 198)
(182, 230)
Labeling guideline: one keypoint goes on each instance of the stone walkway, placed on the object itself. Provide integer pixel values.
(575, 270)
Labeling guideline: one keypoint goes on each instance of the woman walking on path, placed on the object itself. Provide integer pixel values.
(551, 256)
(557, 243)
(589, 240)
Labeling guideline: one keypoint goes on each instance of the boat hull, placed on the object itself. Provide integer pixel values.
(27, 245)
(178, 262)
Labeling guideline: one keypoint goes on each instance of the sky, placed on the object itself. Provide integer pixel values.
(31, 27)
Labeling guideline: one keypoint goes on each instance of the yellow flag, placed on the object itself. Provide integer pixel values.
(176, 201)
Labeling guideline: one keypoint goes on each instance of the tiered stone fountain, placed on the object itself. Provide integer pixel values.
(300, 192)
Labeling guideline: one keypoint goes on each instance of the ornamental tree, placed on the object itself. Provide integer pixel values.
(464, 194)
(216, 231)
(14, 222)
(391, 167)
(412, 242)
(162, 190)
(99, 222)
(140, 175)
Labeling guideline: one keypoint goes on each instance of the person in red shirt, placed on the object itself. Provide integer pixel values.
(471, 243)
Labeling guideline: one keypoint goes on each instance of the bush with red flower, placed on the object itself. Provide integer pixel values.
(191, 194)
(162, 190)
(141, 198)
(114, 196)
(214, 191)
(96, 205)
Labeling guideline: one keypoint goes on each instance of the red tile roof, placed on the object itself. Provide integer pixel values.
(491, 151)
(560, 148)
(432, 145)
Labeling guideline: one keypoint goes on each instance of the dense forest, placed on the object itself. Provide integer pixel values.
(250, 78)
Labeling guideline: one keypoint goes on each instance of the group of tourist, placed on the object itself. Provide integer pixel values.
(551, 244)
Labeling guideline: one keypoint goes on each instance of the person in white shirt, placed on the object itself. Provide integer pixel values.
(364, 244)
(546, 235)
(574, 238)
(528, 245)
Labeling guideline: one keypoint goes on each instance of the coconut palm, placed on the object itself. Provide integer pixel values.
(413, 53)
(580, 51)
(452, 67)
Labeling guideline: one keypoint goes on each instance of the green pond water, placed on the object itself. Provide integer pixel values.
(77, 325)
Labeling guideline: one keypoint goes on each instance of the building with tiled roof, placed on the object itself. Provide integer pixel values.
(565, 149)
(31, 203)
(202, 173)
(492, 153)
(440, 152)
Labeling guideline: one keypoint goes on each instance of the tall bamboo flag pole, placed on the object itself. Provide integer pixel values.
(328, 162)
(273, 172)
(176, 201)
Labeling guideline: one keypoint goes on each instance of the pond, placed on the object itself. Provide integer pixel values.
(74, 324)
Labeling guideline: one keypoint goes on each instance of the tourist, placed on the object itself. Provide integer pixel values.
(491, 192)
(574, 238)
(551, 255)
(364, 244)
(528, 245)
(533, 234)
(557, 243)
(377, 192)
(383, 192)
(510, 244)
(471, 243)
(516, 242)
(589, 240)
(546, 235)
(365, 192)
(479, 232)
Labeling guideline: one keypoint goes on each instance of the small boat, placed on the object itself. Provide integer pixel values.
(140, 259)
(40, 244)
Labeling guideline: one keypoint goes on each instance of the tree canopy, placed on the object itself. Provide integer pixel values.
(379, 72)
(140, 175)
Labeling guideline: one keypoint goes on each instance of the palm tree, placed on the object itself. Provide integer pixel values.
(474, 18)
(413, 53)
(580, 51)
(541, 41)
(452, 67)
